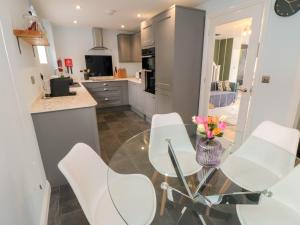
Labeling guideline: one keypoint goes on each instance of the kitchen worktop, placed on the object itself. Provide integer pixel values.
(82, 99)
(101, 79)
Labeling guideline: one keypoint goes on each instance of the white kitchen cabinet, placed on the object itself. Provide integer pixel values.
(136, 96)
(149, 105)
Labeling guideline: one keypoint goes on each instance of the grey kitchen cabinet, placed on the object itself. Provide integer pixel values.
(136, 96)
(147, 34)
(129, 47)
(108, 93)
(149, 109)
(136, 47)
(164, 43)
(178, 41)
(58, 131)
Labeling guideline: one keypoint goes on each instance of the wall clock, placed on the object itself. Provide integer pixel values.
(287, 7)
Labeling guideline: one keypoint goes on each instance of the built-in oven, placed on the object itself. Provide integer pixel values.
(148, 65)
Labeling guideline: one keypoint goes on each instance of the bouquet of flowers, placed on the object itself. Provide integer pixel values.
(209, 127)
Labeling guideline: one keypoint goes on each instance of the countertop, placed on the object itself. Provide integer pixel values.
(82, 99)
(100, 79)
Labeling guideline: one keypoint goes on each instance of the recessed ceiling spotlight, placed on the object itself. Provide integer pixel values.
(75, 22)
(78, 7)
(139, 15)
(122, 26)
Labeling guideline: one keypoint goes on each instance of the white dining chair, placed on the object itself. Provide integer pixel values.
(282, 207)
(133, 195)
(264, 158)
(171, 126)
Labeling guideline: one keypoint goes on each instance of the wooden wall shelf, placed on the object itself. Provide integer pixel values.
(34, 38)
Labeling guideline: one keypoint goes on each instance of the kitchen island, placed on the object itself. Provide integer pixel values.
(60, 123)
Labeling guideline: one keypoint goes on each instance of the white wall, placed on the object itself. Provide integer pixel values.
(279, 57)
(75, 42)
(21, 168)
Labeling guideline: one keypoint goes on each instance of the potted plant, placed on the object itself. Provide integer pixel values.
(208, 148)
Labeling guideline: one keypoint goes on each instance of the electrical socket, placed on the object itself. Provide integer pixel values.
(32, 79)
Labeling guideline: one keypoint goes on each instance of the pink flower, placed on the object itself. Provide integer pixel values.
(200, 120)
(209, 134)
(222, 125)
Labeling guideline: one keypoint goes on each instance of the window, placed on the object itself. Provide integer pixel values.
(42, 54)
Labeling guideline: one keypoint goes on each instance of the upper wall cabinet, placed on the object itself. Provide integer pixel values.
(129, 47)
(147, 34)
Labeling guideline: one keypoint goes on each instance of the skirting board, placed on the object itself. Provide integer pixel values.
(45, 204)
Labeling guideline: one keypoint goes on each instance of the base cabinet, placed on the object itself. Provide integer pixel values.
(141, 101)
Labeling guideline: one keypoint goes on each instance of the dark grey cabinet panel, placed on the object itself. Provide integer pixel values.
(129, 47)
(108, 93)
(57, 132)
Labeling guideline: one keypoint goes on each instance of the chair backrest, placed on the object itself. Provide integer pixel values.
(160, 120)
(170, 126)
(271, 146)
(87, 174)
(284, 137)
(286, 190)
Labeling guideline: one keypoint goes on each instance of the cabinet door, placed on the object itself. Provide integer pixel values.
(147, 34)
(164, 43)
(163, 102)
(136, 48)
(132, 94)
(140, 98)
(125, 47)
(149, 105)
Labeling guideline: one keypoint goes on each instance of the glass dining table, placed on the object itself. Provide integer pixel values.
(186, 192)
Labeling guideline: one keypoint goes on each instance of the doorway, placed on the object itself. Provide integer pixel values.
(229, 61)
(231, 50)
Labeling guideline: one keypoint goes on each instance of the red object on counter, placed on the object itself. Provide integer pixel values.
(68, 63)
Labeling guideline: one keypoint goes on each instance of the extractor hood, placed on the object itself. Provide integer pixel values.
(98, 39)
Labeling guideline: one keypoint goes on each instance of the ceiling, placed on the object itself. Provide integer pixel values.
(233, 29)
(94, 12)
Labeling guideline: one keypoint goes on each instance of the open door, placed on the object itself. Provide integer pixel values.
(229, 72)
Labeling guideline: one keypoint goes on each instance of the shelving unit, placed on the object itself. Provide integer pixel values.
(34, 38)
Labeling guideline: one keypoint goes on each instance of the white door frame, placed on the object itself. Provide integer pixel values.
(254, 9)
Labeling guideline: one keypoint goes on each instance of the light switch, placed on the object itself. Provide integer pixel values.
(265, 79)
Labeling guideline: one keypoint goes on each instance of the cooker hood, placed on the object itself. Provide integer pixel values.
(97, 33)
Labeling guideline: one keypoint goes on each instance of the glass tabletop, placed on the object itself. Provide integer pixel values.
(152, 181)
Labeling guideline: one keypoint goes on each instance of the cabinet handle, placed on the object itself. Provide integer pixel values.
(106, 99)
(105, 84)
(105, 89)
(168, 17)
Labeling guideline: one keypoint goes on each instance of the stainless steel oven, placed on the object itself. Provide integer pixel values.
(148, 65)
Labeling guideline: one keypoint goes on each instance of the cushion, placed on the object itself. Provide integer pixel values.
(227, 86)
(220, 86)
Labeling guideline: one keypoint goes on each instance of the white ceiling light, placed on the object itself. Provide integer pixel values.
(78, 7)
(75, 22)
(139, 15)
(122, 26)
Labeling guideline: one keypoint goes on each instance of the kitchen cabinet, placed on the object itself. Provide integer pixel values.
(164, 36)
(129, 47)
(149, 109)
(136, 96)
(108, 93)
(147, 34)
(178, 40)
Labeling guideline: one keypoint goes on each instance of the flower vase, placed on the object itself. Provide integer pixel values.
(208, 152)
